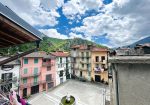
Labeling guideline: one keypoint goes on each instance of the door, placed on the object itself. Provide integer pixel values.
(50, 85)
(61, 80)
(97, 78)
(80, 73)
(25, 92)
(34, 89)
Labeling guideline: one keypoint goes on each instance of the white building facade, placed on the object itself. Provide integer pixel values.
(9, 75)
(63, 67)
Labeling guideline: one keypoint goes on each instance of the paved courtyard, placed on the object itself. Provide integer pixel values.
(85, 93)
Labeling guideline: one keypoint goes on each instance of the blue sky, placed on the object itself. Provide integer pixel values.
(112, 23)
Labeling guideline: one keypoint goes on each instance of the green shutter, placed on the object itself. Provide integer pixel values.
(26, 61)
(35, 60)
(35, 70)
(24, 80)
(25, 71)
(35, 80)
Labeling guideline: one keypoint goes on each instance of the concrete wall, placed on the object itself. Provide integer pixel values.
(131, 79)
(134, 84)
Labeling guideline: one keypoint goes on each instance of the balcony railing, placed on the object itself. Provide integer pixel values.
(98, 70)
(25, 85)
(32, 74)
(85, 61)
(47, 64)
(100, 62)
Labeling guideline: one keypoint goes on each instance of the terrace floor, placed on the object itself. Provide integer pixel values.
(85, 93)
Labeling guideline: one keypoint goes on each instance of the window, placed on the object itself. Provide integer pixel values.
(25, 71)
(82, 58)
(25, 60)
(74, 60)
(80, 73)
(35, 70)
(82, 65)
(61, 73)
(48, 68)
(49, 77)
(103, 58)
(66, 59)
(44, 60)
(87, 54)
(82, 54)
(35, 60)
(66, 66)
(60, 60)
(87, 66)
(7, 77)
(35, 79)
(87, 60)
(97, 58)
(96, 65)
(24, 80)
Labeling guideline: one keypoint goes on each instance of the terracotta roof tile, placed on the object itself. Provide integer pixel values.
(99, 49)
(60, 54)
(40, 54)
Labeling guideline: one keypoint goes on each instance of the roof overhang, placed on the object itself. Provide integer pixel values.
(14, 30)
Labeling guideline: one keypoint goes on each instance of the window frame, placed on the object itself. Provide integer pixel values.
(25, 60)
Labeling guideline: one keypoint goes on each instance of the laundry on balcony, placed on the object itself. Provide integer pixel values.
(98, 69)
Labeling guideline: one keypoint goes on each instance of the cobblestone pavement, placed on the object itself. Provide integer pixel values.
(85, 93)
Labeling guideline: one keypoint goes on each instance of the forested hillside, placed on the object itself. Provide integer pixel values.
(48, 44)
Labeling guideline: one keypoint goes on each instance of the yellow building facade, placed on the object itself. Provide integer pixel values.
(99, 65)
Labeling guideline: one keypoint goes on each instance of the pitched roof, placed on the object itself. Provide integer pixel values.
(99, 49)
(14, 62)
(91, 47)
(143, 45)
(60, 54)
(40, 54)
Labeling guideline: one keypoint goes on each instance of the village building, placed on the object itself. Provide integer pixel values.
(37, 73)
(9, 75)
(89, 62)
(63, 66)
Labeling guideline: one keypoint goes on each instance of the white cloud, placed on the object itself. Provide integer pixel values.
(74, 7)
(53, 33)
(32, 12)
(122, 23)
(51, 4)
(73, 35)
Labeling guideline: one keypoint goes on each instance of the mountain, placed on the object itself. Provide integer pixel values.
(142, 41)
(48, 45)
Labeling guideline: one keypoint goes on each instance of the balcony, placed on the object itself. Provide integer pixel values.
(47, 64)
(98, 70)
(83, 69)
(30, 73)
(26, 85)
(68, 61)
(85, 61)
(100, 62)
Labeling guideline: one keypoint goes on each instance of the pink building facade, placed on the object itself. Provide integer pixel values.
(37, 73)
